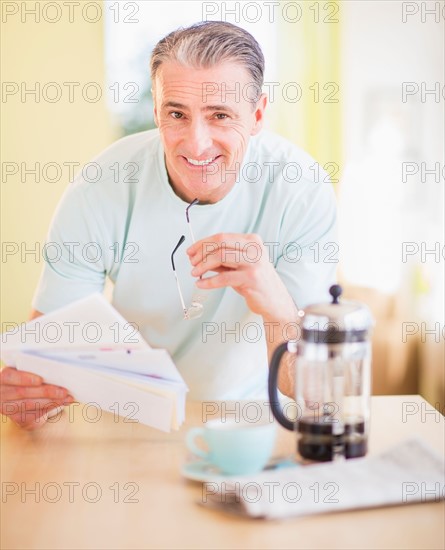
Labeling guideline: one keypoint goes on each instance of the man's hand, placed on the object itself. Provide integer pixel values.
(27, 400)
(242, 262)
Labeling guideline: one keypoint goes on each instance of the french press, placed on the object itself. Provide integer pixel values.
(332, 380)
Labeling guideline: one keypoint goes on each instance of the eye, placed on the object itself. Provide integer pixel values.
(176, 115)
(221, 116)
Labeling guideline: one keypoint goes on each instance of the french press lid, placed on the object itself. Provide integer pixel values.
(336, 322)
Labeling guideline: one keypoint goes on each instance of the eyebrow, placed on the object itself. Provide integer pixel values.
(173, 104)
(176, 105)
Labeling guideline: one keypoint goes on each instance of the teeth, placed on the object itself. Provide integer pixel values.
(200, 162)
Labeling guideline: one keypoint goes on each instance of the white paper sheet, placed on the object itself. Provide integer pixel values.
(89, 387)
(90, 322)
(151, 362)
(90, 349)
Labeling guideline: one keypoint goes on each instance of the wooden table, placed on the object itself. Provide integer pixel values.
(118, 485)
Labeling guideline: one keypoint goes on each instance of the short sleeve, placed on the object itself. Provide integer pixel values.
(73, 253)
(309, 255)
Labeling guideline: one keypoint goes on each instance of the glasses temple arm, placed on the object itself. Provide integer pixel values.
(180, 293)
(195, 201)
(181, 240)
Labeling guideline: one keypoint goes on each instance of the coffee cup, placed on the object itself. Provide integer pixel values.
(236, 448)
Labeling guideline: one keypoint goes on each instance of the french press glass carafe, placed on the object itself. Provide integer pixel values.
(332, 380)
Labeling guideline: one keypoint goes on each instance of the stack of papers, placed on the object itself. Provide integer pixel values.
(90, 349)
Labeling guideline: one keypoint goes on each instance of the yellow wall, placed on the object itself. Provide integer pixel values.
(44, 132)
(310, 54)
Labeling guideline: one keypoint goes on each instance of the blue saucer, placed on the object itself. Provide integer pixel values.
(205, 472)
(202, 471)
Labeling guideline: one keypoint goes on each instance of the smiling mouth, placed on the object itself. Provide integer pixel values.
(205, 162)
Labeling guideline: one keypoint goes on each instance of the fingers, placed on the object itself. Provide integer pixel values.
(34, 416)
(26, 399)
(15, 377)
(237, 248)
(16, 385)
(235, 279)
(226, 251)
(32, 413)
(30, 405)
(11, 408)
(220, 260)
(13, 393)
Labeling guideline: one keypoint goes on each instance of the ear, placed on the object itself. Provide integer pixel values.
(155, 111)
(259, 114)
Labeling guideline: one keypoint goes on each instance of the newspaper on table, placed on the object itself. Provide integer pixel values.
(90, 349)
(409, 472)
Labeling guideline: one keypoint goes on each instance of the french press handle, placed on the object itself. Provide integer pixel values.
(273, 384)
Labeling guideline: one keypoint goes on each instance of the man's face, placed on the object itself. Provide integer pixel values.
(204, 126)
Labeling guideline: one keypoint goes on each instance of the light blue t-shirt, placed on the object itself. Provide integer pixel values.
(121, 219)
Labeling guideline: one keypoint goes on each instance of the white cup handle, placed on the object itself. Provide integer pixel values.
(190, 441)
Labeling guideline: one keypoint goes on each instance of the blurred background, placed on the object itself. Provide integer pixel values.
(358, 84)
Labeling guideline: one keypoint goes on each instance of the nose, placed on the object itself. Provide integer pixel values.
(199, 139)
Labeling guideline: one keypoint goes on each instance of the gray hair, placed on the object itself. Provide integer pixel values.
(207, 43)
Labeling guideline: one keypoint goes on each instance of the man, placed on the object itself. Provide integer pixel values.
(258, 220)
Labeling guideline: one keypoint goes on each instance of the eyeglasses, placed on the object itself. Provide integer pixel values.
(196, 308)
